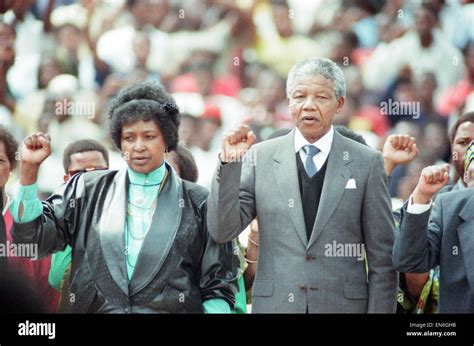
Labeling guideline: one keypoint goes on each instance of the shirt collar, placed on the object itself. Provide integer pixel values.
(323, 144)
(155, 177)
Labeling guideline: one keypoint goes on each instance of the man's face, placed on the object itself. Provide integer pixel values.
(187, 130)
(462, 139)
(48, 69)
(207, 131)
(69, 37)
(313, 105)
(282, 21)
(7, 46)
(424, 23)
(143, 146)
(88, 160)
(149, 12)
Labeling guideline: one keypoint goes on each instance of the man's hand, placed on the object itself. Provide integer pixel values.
(36, 148)
(432, 179)
(236, 143)
(398, 149)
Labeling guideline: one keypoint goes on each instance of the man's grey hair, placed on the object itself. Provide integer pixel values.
(317, 66)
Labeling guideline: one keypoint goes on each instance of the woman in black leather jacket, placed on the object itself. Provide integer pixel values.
(139, 235)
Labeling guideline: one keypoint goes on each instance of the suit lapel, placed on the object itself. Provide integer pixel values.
(286, 175)
(111, 230)
(466, 239)
(164, 226)
(334, 185)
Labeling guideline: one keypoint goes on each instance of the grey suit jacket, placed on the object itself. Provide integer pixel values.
(296, 274)
(444, 238)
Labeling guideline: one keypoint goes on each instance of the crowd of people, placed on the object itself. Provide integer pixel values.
(233, 156)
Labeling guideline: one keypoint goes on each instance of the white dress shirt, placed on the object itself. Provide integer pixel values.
(417, 208)
(323, 144)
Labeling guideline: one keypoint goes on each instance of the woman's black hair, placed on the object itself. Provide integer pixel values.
(186, 164)
(145, 101)
(11, 146)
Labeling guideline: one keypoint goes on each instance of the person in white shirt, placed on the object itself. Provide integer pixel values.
(422, 49)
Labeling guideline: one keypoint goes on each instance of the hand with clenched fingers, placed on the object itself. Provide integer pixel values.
(236, 143)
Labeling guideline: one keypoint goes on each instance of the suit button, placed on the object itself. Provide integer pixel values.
(303, 289)
(308, 258)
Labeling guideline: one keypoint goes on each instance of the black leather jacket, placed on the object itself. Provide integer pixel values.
(179, 265)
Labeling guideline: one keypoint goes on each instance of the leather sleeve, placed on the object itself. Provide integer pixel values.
(219, 268)
(53, 230)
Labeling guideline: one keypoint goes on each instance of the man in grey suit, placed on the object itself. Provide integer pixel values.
(322, 206)
(444, 238)
(461, 135)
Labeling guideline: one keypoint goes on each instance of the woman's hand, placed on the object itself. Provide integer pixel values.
(35, 149)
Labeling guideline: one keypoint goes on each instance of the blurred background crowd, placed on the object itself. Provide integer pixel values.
(225, 62)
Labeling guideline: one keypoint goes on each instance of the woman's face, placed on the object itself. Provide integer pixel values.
(143, 146)
(5, 167)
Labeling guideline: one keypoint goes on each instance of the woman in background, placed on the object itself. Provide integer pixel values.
(33, 273)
